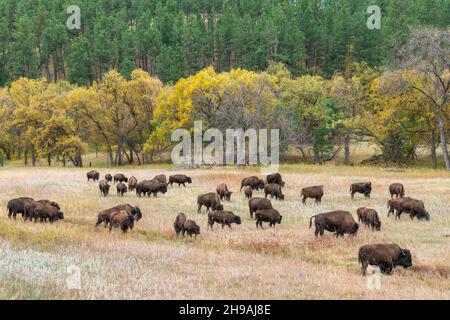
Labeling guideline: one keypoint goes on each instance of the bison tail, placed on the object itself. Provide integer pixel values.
(310, 220)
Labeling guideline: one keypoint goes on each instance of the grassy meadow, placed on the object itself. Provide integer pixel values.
(287, 262)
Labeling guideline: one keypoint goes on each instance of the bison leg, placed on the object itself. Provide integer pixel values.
(199, 207)
(353, 195)
(364, 266)
(223, 225)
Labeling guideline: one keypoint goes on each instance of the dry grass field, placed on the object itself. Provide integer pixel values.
(287, 262)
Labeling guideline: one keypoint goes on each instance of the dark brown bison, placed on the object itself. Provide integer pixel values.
(223, 192)
(150, 187)
(30, 206)
(369, 217)
(314, 192)
(253, 182)
(43, 213)
(121, 188)
(105, 215)
(191, 228)
(414, 207)
(108, 177)
(275, 178)
(255, 204)
(119, 177)
(274, 190)
(94, 175)
(180, 179)
(385, 256)
(341, 222)
(362, 187)
(209, 200)
(161, 178)
(248, 191)
(271, 216)
(397, 189)
(17, 205)
(132, 181)
(179, 222)
(104, 187)
(121, 219)
(223, 218)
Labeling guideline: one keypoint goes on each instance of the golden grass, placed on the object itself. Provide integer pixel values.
(287, 262)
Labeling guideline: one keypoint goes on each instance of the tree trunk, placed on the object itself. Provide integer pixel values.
(49, 160)
(26, 156)
(33, 157)
(433, 149)
(444, 142)
(347, 148)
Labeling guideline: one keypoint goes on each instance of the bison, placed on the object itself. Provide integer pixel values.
(121, 188)
(209, 200)
(274, 190)
(30, 206)
(121, 219)
(223, 192)
(104, 187)
(119, 177)
(339, 221)
(105, 215)
(108, 177)
(180, 179)
(223, 217)
(17, 205)
(94, 175)
(255, 204)
(385, 256)
(369, 217)
(361, 187)
(161, 178)
(43, 213)
(397, 189)
(314, 192)
(150, 187)
(414, 207)
(191, 228)
(248, 191)
(253, 182)
(268, 215)
(132, 181)
(179, 222)
(275, 178)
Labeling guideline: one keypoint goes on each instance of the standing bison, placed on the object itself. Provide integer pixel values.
(209, 200)
(414, 207)
(397, 189)
(275, 178)
(121, 219)
(362, 187)
(108, 177)
(255, 204)
(43, 213)
(105, 215)
(191, 228)
(104, 187)
(121, 188)
(94, 175)
(369, 217)
(161, 178)
(119, 177)
(271, 216)
(248, 191)
(31, 206)
(314, 192)
(179, 222)
(17, 205)
(132, 181)
(340, 222)
(223, 218)
(150, 187)
(274, 190)
(253, 182)
(385, 256)
(223, 192)
(180, 179)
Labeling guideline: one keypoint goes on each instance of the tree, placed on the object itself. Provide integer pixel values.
(79, 62)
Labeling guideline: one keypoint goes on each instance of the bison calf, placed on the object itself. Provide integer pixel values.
(271, 216)
(385, 256)
(369, 217)
(339, 221)
(223, 192)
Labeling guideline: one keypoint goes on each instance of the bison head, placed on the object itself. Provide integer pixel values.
(237, 219)
(354, 229)
(260, 184)
(279, 220)
(59, 215)
(377, 225)
(218, 207)
(189, 180)
(405, 259)
(282, 196)
(136, 212)
(196, 229)
(228, 195)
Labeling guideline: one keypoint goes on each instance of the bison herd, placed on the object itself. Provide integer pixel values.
(340, 222)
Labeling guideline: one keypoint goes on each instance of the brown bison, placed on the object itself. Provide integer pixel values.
(191, 228)
(248, 191)
(274, 190)
(119, 177)
(385, 256)
(108, 177)
(255, 204)
(94, 175)
(223, 218)
(104, 187)
(414, 207)
(341, 222)
(121, 188)
(369, 217)
(30, 206)
(132, 181)
(105, 215)
(209, 200)
(362, 187)
(396, 189)
(253, 182)
(43, 213)
(268, 215)
(17, 205)
(161, 178)
(314, 192)
(180, 179)
(179, 222)
(150, 187)
(275, 178)
(223, 192)
(121, 219)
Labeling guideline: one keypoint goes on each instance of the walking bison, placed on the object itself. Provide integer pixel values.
(180, 179)
(253, 182)
(362, 187)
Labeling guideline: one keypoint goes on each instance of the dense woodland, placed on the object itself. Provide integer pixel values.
(137, 70)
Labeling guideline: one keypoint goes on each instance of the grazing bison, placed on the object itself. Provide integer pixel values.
(30, 206)
(121, 219)
(397, 189)
(105, 215)
(361, 187)
(414, 207)
(161, 178)
(191, 228)
(132, 181)
(121, 188)
(253, 182)
(108, 177)
(314, 192)
(209, 200)
(179, 222)
(339, 221)
(104, 187)
(17, 205)
(255, 204)
(94, 175)
(223, 217)
(119, 177)
(248, 191)
(385, 256)
(150, 187)
(43, 213)
(369, 217)
(275, 178)
(181, 179)
(268, 215)
(223, 192)
(274, 190)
